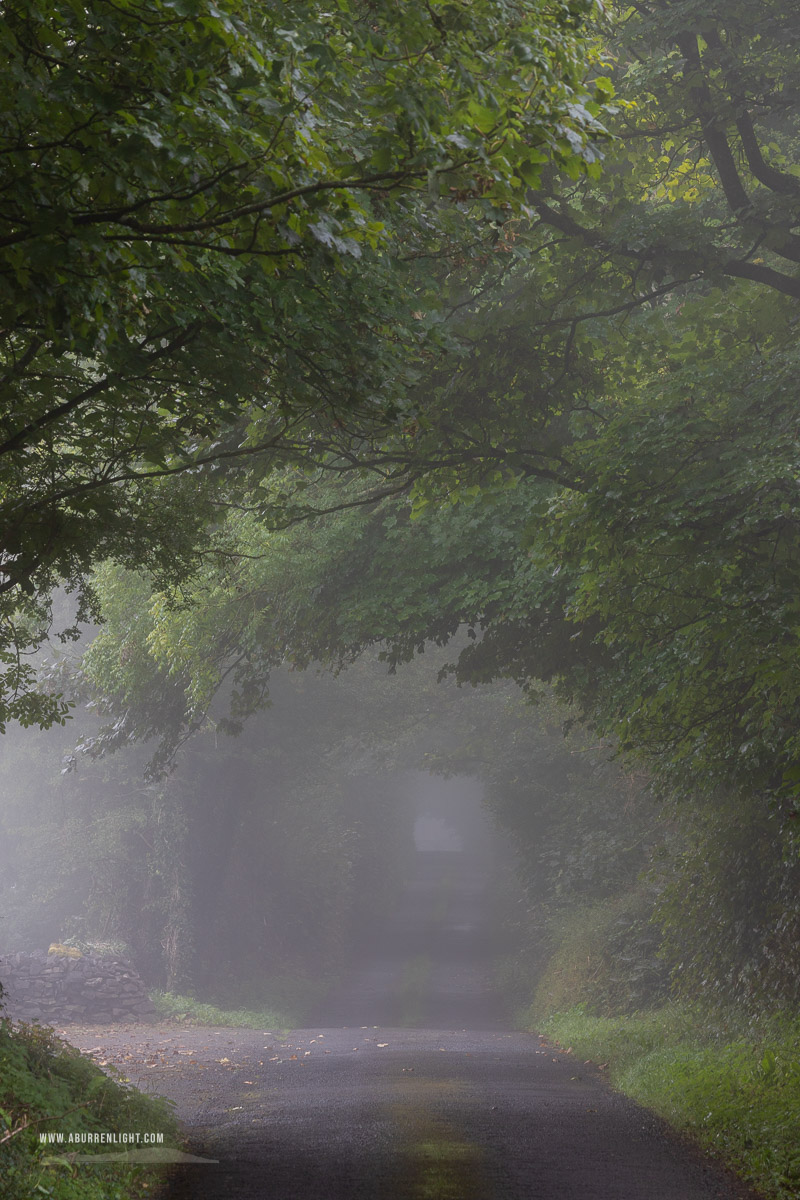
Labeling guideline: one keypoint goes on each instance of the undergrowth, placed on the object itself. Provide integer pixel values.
(195, 1012)
(734, 1088)
(48, 1087)
(606, 955)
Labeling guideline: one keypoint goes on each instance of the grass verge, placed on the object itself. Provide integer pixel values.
(736, 1092)
(49, 1088)
(194, 1012)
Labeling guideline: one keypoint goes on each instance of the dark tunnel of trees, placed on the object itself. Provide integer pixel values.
(394, 389)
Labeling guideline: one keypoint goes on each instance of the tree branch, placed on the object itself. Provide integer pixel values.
(784, 244)
(17, 440)
(788, 284)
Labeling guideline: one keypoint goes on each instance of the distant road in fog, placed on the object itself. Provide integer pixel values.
(411, 1089)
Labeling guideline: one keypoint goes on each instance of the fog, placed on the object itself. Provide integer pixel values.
(371, 848)
(312, 866)
(428, 963)
(399, 577)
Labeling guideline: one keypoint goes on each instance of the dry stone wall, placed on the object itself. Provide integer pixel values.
(52, 988)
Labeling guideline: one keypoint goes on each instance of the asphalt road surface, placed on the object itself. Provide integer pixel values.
(410, 1088)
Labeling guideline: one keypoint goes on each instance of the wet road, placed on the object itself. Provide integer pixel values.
(423, 1115)
(421, 1096)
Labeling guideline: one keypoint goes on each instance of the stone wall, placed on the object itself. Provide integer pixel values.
(54, 988)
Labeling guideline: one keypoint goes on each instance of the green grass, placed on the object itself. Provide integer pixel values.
(46, 1086)
(734, 1089)
(194, 1012)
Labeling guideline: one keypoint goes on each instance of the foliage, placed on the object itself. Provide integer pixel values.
(584, 830)
(596, 488)
(605, 958)
(690, 578)
(189, 1011)
(220, 232)
(714, 136)
(736, 1093)
(245, 877)
(546, 399)
(320, 591)
(659, 402)
(728, 906)
(46, 1085)
(662, 530)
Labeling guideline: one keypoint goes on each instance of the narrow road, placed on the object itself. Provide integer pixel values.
(411, 1089)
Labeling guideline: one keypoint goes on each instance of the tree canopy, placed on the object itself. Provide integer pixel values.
(601, 472)
(358, 349)
(219, 224)
(597, 444)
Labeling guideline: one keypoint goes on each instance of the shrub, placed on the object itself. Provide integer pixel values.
(606, 958)
(48, 1086)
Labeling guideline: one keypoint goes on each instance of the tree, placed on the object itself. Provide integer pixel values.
(546, 333)
(636, 409)
(321, 591)
(644, 365)
(603, 485)
(709, 145)
(215, 235)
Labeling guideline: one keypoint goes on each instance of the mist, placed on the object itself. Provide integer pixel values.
(399, 576)
(310, 864)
